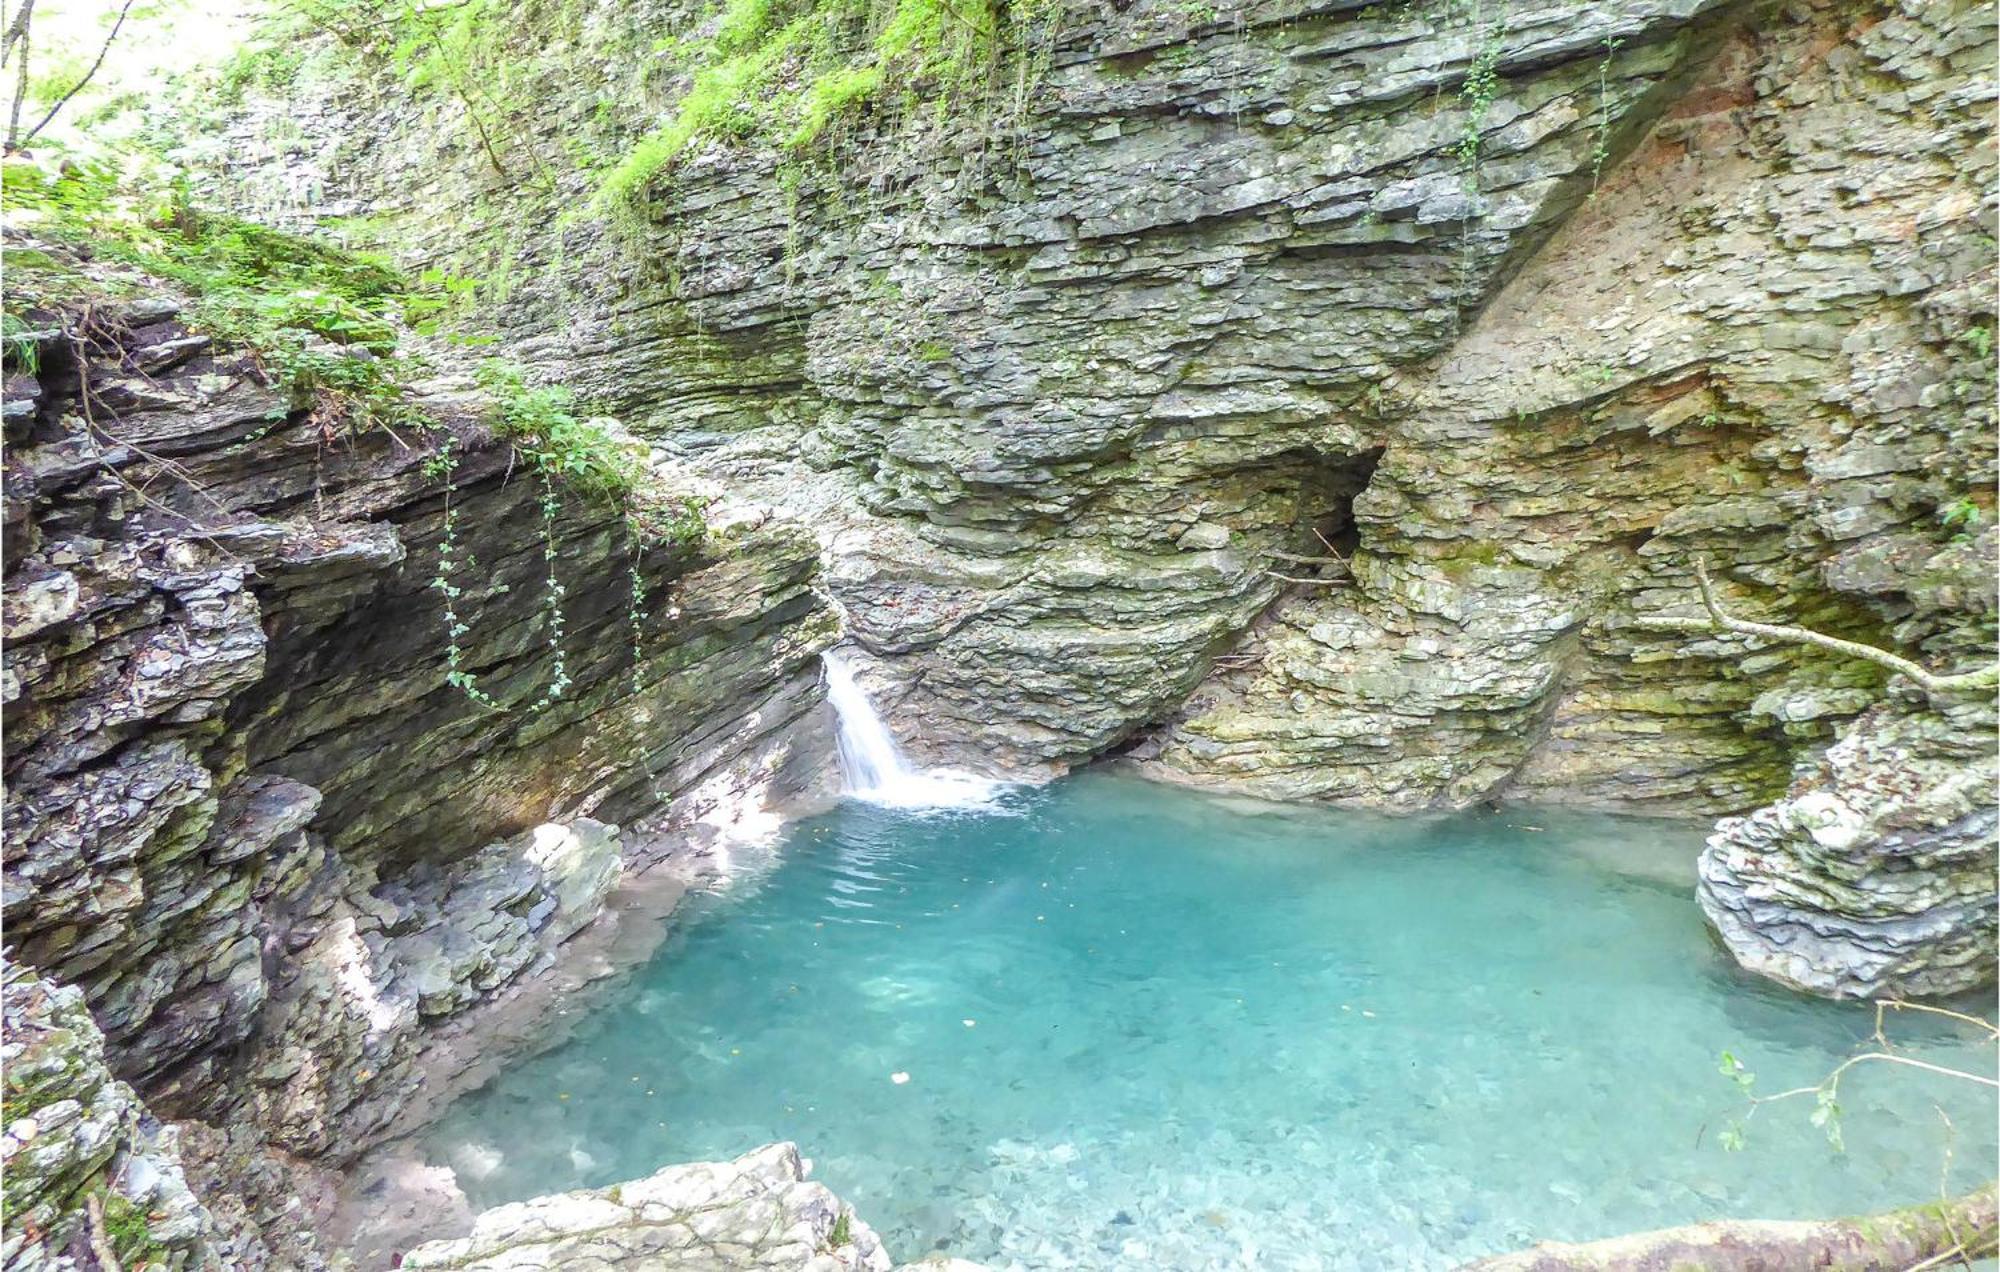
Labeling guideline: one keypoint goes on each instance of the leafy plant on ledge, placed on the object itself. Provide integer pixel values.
(781, 72)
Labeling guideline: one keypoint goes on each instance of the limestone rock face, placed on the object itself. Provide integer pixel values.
(1262, 278)
(82, 1159)
(758, 1211)
(1874, 875)
(1740, 348)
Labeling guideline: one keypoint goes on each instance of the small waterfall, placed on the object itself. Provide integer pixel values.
(876, 769)
(869, 757)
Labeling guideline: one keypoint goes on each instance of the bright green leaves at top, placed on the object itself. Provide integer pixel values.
(784, 71)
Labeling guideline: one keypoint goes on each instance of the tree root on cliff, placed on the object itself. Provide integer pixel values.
(1938, 1234)
(1984, 679)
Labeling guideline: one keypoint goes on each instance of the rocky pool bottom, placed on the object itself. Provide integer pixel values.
(1110, 1024)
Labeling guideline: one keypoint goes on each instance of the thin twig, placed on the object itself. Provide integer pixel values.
(1293, 578)
(1297, 559)
(1328, 543)
(1897, 1004)
(1851, 1061)
(100, 1241)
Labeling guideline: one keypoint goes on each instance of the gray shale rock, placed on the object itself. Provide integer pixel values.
(1227, 286)
(758, 1211)
(249, 818)
(76, 1136)
(1873, 877)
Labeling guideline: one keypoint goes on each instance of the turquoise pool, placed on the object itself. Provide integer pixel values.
(1109, 1024)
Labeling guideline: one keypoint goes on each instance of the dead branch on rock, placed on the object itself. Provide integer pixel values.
(1961, 1229)
(1720, 620)
(100, 1241)
(1343, 571)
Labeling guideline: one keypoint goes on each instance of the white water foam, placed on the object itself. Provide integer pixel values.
(876, 769)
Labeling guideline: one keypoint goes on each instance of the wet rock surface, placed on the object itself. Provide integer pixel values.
(1873, 876)
(758, 1211)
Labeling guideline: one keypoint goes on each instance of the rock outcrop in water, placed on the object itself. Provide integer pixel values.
(758, 1211)
(1874, 876)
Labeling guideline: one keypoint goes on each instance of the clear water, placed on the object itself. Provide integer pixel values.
(1146, 1028)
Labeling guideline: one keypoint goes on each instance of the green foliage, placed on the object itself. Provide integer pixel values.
(21, 351)
(443, 466)
(319, 320)
(1826, 1104)
(323, 322)
(1979, 339)
(784, 71)
(538, 420)
(1601, 149)
(843, 1230)
(465, 49)
(1476, 95)
(126, 1228)
(1962, 515)
(540, 423)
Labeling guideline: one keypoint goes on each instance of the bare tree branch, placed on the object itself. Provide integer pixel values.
(17, 28)
(17, 34)
(100, 1242)
(1719, 620)
(14, 145)
(1293, 578)
(1296, 559)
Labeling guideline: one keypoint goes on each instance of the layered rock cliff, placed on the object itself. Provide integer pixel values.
(245, 802)
(1070, 378)
(1305, 398)
(1310, 398)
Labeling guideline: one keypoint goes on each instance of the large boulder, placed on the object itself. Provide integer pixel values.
(1873, 877)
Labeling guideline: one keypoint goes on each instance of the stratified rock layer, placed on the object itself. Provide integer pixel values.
(1749, 345)
(251, 818)
(1260, 278)
(1874, 876)
(1086, 401)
